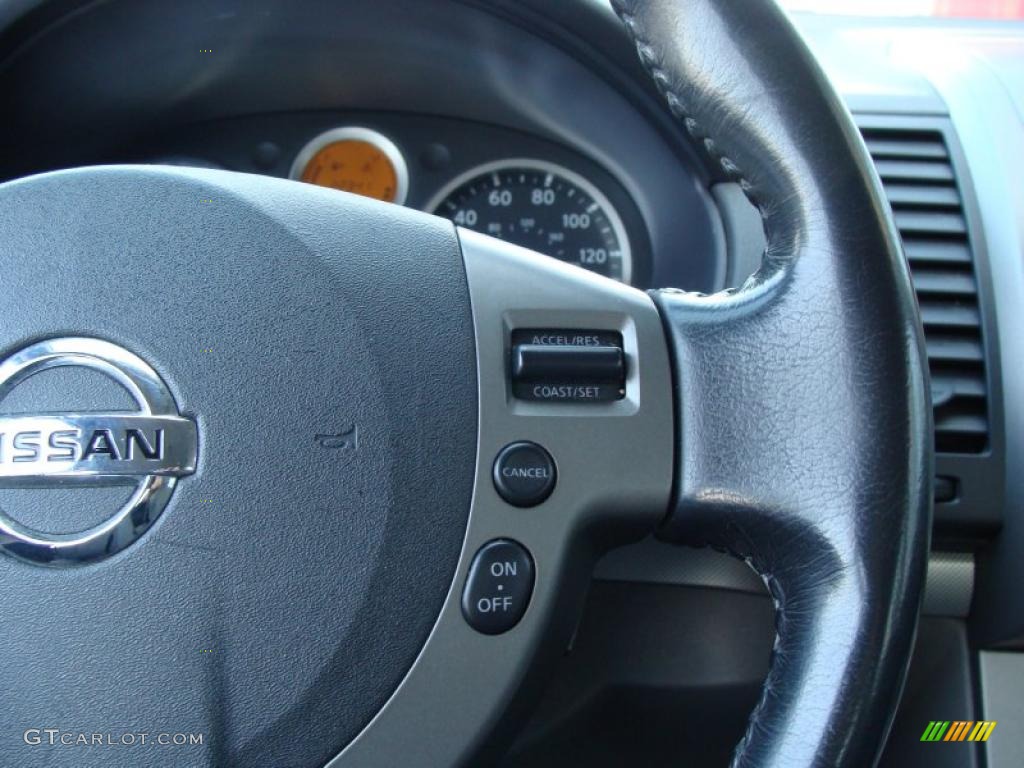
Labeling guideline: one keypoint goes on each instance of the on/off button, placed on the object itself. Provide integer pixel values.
(524, 474)
(498, 587)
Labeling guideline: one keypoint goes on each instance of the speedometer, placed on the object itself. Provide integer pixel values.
(540, 206)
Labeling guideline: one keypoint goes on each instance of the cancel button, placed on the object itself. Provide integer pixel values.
(524, 474)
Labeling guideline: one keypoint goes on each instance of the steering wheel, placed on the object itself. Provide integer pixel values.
(350, 466)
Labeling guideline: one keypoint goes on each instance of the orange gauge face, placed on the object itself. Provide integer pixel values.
(356, 166)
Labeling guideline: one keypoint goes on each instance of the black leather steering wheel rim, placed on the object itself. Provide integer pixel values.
(803, 423)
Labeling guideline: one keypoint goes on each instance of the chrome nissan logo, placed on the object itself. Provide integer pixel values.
(148, 449)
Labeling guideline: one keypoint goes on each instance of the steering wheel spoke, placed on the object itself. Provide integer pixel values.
(613, 461)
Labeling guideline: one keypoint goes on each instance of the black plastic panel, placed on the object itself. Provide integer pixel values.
(657, 676)
(940, 686)
(667, 676)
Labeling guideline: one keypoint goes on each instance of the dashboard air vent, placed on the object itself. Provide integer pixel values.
(919, 180)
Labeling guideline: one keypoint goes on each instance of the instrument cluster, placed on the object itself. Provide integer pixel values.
(531, 202)
(503, 183)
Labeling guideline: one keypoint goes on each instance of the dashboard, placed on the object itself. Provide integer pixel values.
(533, 122)
(450, 94)
(504, 183)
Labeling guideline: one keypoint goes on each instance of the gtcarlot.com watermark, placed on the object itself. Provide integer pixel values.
(56, 737)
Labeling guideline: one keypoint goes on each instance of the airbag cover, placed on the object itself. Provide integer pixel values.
(291, 581)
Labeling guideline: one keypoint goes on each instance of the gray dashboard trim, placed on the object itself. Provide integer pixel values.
(744, 232)
(1002, 680)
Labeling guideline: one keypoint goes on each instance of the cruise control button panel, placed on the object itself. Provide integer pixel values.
(567, 365)
(524, 474)
(498, 587)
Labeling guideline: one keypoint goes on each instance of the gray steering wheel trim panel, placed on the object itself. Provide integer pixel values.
(803, 416)
(614, 464)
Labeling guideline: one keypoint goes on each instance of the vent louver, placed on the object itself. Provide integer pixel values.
(919, 180)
